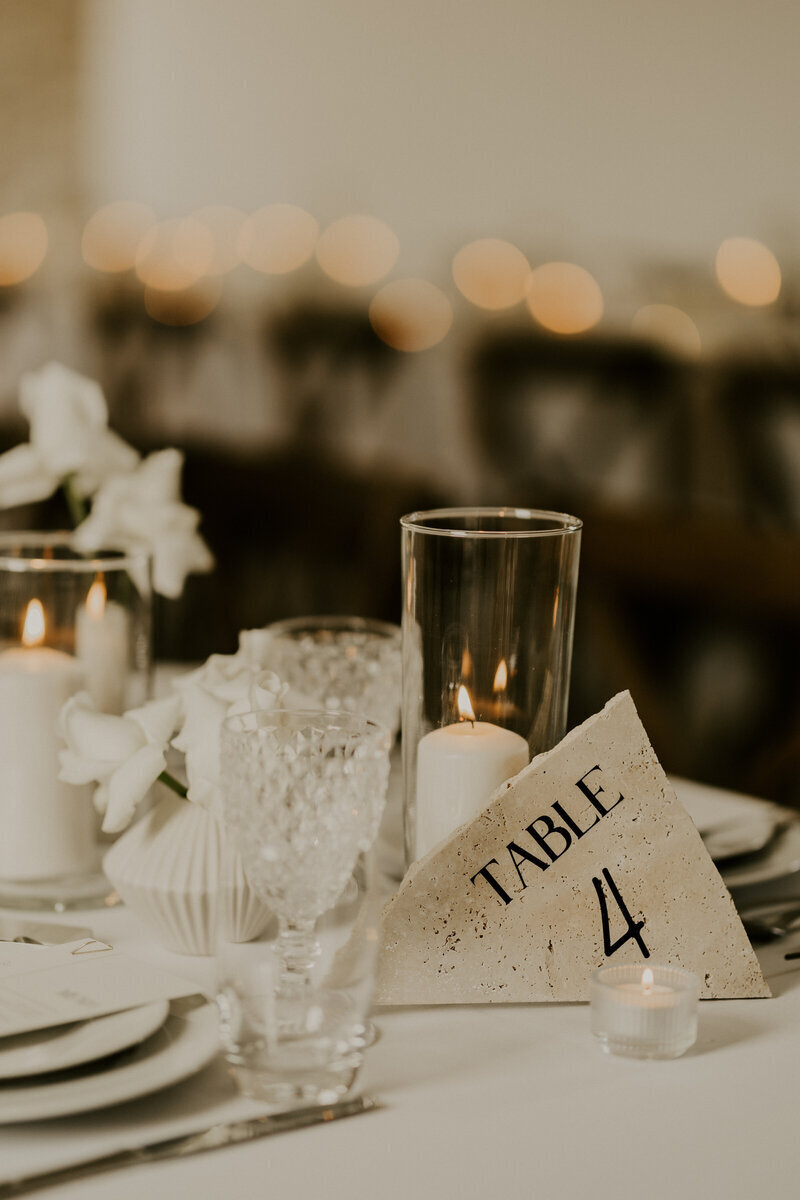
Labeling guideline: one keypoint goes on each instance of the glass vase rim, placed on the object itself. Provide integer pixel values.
(119, 557)
(679, 979)
(560, 523)
(334, 622)
(357, 721)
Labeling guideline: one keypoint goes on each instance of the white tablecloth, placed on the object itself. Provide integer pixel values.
(501, 1101)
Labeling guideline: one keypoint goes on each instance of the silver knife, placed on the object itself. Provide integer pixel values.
(44, 933)
(192, 1143)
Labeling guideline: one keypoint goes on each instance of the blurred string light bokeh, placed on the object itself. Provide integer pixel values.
(343, 113)
(181, 262)
(23, 246)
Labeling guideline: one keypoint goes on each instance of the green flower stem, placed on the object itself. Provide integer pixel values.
(175, 784)
(78, 510)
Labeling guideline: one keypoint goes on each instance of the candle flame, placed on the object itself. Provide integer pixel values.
(647, 980)
(33, 628)
(465, 710)
(500, 677)
(96, 599)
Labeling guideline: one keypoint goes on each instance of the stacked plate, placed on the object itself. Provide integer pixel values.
(92, 1064)
(753, 842)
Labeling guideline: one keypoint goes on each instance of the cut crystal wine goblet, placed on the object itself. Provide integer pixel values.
(304, 794)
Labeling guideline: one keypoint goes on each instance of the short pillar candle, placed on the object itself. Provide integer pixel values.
(458, 769)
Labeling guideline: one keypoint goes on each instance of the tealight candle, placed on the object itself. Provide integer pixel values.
(645, 1011)
(458, 768)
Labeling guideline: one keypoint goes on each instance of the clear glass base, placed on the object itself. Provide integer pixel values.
(625, 1048)
(366, 1035)
(283, 1092)
(89, 890)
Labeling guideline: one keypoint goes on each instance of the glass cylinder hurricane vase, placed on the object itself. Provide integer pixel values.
(69, 623)
(488, 616)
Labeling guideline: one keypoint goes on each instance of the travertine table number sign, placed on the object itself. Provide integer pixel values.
(586, 856)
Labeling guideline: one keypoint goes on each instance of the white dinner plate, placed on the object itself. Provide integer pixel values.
(780, 859)
(82, 1042)
(768, 835)
(183, 1045)
(732, 839)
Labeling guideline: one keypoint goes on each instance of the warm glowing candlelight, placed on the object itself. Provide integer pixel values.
(500, 677)
(647, 980)
(33, 628)
(465, 709)
(96, 599)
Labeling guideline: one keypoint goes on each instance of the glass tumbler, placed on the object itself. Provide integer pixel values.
(304, 793)
(350, 664)
(488, 615)
(69, 622)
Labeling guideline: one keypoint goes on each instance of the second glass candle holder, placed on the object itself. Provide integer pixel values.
(488, 616)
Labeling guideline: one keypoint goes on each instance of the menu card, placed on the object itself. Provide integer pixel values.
(41, 986)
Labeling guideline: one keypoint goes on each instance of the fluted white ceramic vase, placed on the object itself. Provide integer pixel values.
(167, 868)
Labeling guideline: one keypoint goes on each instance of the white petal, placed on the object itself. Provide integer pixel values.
(207, 795)
(129, 784)
(199, 738)
(64, 408)
(144, 504)
(75, 769)
(254, 646)
(158, 719)
(98, 736)
(268, 692)
(51, 384)
(190, 679)
(160, 475)
(100, 798)
(95, 533)
(24, 479)
(176, 555)
(146, 519)
(203, 712)
(108, 455)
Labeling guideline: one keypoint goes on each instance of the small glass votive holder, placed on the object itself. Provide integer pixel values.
(645, 1012)
(69, 622)
(347, 664)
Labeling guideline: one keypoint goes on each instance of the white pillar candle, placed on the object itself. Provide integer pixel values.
(47, 827)
(101, 644)
(458, 768)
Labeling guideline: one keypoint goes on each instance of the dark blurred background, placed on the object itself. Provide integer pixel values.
(357, 259)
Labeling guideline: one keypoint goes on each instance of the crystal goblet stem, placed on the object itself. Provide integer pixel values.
(298, 950)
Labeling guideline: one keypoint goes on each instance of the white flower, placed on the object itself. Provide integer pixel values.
(145, 506)
(69, 436)
(225, 685)
(123, 755)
